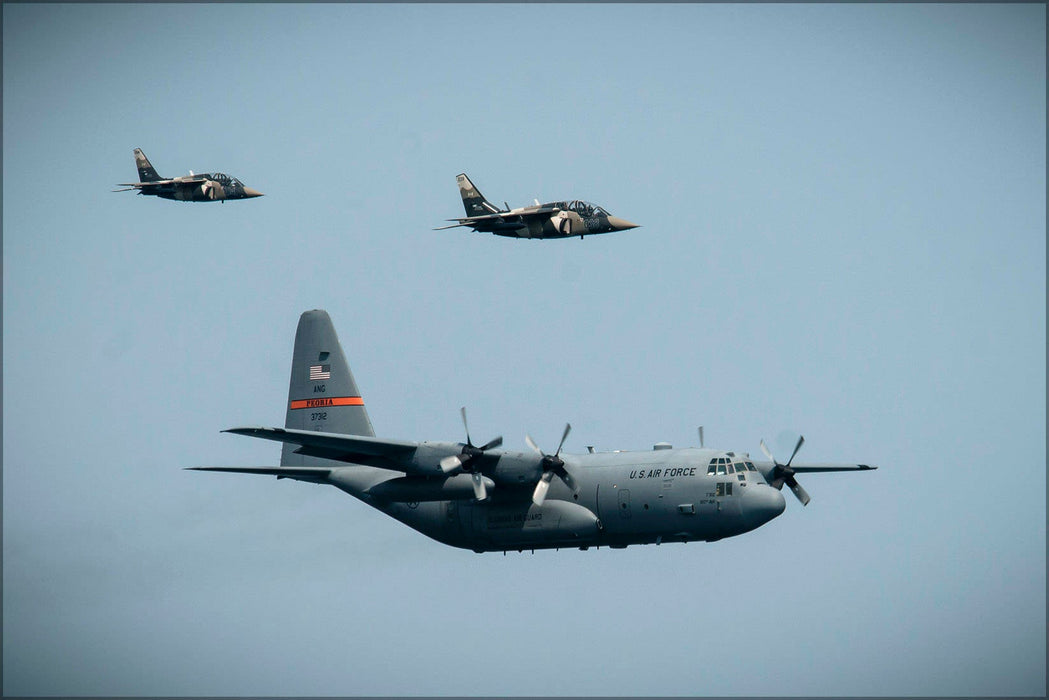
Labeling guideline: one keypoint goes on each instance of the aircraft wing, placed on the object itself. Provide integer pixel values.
(805, 467)
(810, 467)
(301, 473)
(503, 216)
(352, 449)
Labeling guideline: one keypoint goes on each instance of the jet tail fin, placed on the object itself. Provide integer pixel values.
(322, 395)
(146, 172)
(473, 200)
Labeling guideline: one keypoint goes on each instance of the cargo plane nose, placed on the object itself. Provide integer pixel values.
(762, 503)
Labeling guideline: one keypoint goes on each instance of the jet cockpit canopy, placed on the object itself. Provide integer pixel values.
(584, 209)
(223, 179)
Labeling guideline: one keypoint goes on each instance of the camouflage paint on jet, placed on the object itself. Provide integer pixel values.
(206, 187)
(562, 219)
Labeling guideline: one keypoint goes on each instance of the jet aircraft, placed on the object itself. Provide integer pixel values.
(206, 187)
(487, 499)
(550, 220)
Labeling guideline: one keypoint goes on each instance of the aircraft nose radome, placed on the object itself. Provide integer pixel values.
(620, 224)
(248, 192)
(763, 503)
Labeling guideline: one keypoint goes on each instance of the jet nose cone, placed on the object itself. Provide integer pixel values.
(248, 192)
(618, 224)
(762, 503)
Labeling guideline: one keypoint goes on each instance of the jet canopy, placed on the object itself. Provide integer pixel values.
(584, 209)
(223, 179)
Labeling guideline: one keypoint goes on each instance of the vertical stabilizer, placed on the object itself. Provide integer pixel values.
(473, 201)
(322, 395)
(146, 172)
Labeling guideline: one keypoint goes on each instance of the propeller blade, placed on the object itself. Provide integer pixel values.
(567, 478)
(451, 463)
(568, 429)
(492, 444)
(801, 493)
(462, 411)
(480, 492)
(531, 443)
(701, 436)
(801, 441)
(541, 488)
(765, 449)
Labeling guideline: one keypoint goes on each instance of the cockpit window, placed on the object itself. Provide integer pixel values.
(724, 465)
(584, 209)
(750, 467)
(223, 179)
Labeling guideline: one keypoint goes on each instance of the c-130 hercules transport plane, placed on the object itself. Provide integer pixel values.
(206, 187)
(550, 220)
(487, 499)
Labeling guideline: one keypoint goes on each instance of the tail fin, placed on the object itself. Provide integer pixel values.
(473, 200)
(322, 395)
(146, 173)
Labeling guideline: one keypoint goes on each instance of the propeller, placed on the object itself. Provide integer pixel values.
(463, 461)
(552, 465)
(783, 474)
(701, 436)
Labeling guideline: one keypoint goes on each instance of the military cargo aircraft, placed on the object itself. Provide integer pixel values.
(206, 187)
(550, 220)
(486, 499)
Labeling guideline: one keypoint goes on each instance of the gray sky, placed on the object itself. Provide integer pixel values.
(843, 212)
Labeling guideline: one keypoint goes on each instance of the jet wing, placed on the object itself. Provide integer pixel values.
(352, 449)
(507, 216)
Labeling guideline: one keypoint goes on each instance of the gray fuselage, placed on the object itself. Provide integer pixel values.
(622, 498)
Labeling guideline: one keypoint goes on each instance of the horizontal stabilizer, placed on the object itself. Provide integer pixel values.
(301, 473)
(353, 449)
(155, 183)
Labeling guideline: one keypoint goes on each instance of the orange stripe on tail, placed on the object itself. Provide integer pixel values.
(328, 401)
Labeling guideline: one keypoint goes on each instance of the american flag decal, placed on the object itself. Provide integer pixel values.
(318, 372)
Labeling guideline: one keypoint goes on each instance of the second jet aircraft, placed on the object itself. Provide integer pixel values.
(550, 220)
